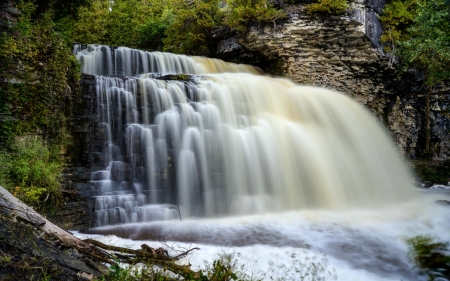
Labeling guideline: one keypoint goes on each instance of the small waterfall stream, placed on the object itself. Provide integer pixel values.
(227, 141)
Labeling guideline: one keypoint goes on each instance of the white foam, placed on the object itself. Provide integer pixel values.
(358, 245)
(440, 187)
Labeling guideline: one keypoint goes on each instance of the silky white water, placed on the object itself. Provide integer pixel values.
(230, 143)
(357, 244)
(229, 159)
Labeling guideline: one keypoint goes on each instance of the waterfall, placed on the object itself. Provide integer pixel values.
(227, 141)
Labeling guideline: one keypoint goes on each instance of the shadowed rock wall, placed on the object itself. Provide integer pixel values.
(77, 211)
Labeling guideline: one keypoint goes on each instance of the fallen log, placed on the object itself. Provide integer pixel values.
(95, 250)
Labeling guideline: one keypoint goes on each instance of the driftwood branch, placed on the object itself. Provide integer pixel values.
(149, 256)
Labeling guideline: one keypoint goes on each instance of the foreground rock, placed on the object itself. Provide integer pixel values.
(33, 248)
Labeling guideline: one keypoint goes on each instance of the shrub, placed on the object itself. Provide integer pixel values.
(336, 7)
(32, 171)
(241, 14)
(435, 172)
(395, 18)
(430, 257)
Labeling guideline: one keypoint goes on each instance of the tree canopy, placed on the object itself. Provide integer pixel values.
(178, 26)
(419, 33)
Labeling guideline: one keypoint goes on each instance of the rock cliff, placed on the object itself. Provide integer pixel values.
(344, 53)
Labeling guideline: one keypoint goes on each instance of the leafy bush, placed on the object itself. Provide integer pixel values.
(153, 31)
(190, 31)
(395, 18)
(430, 257)
(435, 172)
(240, 14)
(335, 7)
(32, 171)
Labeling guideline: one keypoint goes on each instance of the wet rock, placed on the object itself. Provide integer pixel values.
(443, 202)
(229, 48)
(427, 184)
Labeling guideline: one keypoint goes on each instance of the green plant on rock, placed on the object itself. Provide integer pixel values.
(38, 68)
(31, 171)
(177, 26)
(396, 17)
(435, 172)
(430, 257)
(241, 14)
(327, 7)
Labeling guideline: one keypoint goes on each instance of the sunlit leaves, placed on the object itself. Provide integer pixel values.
(240, 14)
(328, 7)
(179, 26)
(395, 18)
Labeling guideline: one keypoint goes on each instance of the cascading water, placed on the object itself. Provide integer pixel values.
(309, 172)
(226, 141)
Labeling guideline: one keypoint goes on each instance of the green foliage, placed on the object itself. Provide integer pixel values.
(135, 273)
(153, 31)
(420, 30)
(430, 257)
(91, 25)
(328, 7)
(177, 26)
(428, 46)
(435, 172)
(240, 14)
(31, 171)
(137, 24)
(396, 17)
(190, 31)
(225, 268)
(39, 67)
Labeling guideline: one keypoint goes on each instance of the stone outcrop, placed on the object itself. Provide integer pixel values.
(34, 249)
(8, 15)
(344, 53)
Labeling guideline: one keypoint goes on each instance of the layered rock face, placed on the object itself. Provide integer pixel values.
(8, 14)
(77, 212)
(344, 53)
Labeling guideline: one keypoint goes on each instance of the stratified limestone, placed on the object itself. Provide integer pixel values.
(344, 53)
